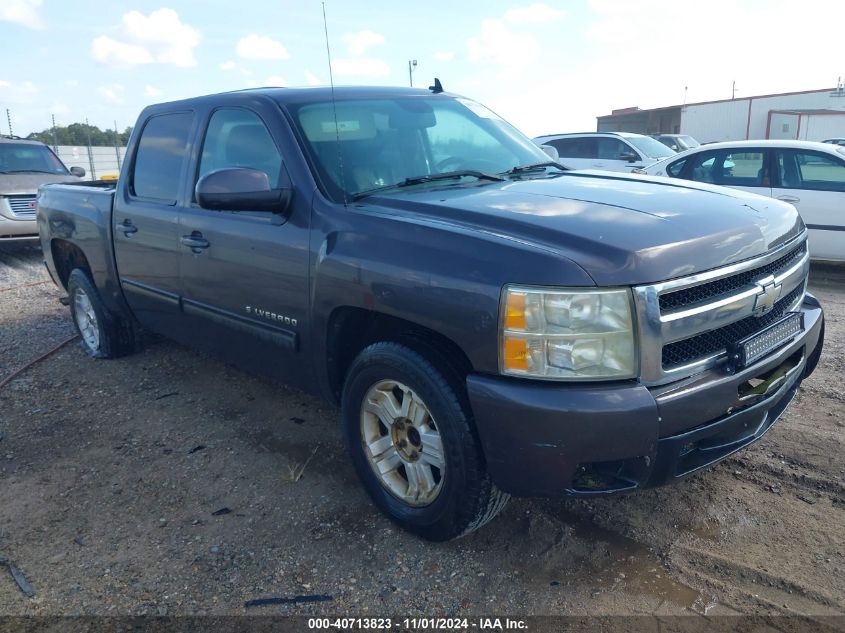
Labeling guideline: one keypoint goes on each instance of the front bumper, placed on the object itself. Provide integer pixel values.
(551, 439)
(17, 229)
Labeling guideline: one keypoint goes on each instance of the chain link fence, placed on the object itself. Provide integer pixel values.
(98, 162)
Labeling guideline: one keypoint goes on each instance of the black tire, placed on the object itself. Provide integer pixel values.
(467, 497)
(114, 336)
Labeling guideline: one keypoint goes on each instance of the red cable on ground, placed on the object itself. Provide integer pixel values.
(20, 370)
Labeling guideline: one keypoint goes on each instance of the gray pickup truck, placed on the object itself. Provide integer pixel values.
(489, 323)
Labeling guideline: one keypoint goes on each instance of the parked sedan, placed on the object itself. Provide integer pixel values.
(809, 175)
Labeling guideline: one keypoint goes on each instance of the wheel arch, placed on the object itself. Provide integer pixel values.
(351, 330)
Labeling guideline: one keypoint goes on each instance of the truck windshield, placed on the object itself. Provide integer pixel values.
(22, 158)
(650, 147)
(373, 143)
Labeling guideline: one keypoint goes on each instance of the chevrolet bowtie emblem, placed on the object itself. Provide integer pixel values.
(769, 294)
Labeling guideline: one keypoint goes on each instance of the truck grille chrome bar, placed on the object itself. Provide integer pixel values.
(686, 325)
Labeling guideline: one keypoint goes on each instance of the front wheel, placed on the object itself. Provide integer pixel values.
(412, 445)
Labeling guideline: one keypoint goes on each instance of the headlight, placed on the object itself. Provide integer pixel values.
(577, 334)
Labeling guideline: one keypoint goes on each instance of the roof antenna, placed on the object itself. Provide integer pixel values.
(334, 107)
(437, 88)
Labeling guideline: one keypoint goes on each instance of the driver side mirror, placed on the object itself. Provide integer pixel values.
(241, 189)
(79, 172)
(631, 157)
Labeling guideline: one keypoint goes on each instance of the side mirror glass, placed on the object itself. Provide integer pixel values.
(551, 150)
(79, 172)
(241, 189)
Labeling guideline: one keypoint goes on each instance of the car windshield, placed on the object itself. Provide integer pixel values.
(650, 147)
(19, 158)
(688, 141)
(366, 145)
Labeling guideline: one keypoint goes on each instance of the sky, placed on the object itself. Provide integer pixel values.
(546, 67)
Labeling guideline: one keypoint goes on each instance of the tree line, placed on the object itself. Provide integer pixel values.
(79, 134)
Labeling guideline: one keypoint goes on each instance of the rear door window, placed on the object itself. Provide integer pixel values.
(575, 147)
(160, 157)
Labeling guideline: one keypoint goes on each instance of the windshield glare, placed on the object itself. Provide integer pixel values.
(688, 141)
(650, 147)
(381, 142)
(22, 157)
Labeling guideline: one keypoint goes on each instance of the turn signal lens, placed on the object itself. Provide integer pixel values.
(515, 311)
(516, 354)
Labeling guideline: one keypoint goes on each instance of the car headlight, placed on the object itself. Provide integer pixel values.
(559, 334)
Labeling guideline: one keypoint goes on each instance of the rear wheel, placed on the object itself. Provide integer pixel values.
(103, 334)
(412, 445)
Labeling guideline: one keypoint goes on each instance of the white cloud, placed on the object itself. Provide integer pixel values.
(360, 67)
(255, 46)
(110, 51)
(59, 109)
(152, 91)
(509, 49)
(112, 93)
(533, 14)
(228, 65)
(159, 38)
(72, 83)
(23, 93)
(23, 12)
(445, 56)
(275, 80)
(358, 43)
(312, 80)
(499, 44)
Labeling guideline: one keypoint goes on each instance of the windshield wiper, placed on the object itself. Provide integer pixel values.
(418, 180)
(27, 171)
(521, 169)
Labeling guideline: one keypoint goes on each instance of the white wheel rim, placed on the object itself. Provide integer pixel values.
(402, 443)
(86, 319)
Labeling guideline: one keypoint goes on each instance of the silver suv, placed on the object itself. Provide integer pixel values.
(24, 166)
(610, 151)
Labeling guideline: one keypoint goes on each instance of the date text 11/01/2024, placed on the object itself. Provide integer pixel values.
(418, 624)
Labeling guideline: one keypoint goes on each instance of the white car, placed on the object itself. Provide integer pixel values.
(809, 175)
(608, 151)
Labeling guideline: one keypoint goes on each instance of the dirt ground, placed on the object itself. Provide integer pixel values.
(164, 483)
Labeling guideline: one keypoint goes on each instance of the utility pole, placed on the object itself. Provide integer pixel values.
(55, 144)
(117, 146)
(90, 154)
(412, 65)
(9, 120)
(733, 90)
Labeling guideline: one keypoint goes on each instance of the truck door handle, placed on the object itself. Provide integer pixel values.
(195, 241)
(789, 198)
(127, 228)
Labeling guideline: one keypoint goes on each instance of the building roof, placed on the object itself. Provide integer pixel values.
(626, 111)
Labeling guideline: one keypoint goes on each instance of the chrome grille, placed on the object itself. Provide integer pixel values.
(22, 207)
(685, 325)
(717, 341)
(721, 287)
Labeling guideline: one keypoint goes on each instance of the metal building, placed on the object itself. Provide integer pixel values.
(812, 115)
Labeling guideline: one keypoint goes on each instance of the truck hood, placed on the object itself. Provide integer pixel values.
(29, 183)
(622, 229)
